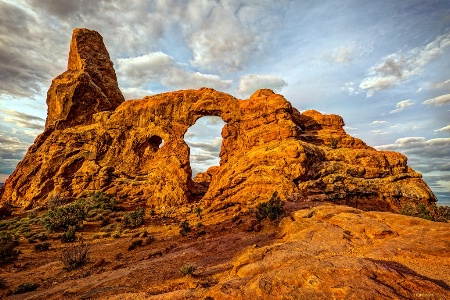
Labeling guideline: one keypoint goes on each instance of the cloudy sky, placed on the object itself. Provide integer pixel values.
(383, 65)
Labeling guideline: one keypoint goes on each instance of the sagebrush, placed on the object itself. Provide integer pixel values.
(272, 209)
(75, 256)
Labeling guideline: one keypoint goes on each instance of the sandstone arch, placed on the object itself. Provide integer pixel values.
(93, 140)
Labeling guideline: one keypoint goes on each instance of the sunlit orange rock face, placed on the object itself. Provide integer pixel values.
(94, 140)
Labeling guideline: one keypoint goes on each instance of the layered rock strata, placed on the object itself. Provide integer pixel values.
(135, 149)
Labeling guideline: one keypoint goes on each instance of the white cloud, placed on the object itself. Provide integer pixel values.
(23, 120)
(346, 53)
(350, 88)
(248, 84)
(444, 84)
(398, 67)
(402, 105)
(377, 123)
(444, 185)
(419, 145)
(438, 101)
(158, 67)
(423, 155)
(216, 35)
(135, 93)
(230, 32)
(343, 54)
(214, 121)
(379, 132)
(444, 129)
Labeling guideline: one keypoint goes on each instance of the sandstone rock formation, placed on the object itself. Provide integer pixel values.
(337, 252)
(95, 141)
(87, 87)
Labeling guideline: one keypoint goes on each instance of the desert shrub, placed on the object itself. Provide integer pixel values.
(442, 213)
(102, 201)
(420, 211)
(185, 228)
(135, 244)
(32, 239)
(2, 282)
(42, 246)
(134, 219)
(97, 214)
(107, 228)
(272, 209)
(6, 209)
(150, 240)
(69, 235)
(32, 214)
(7, 245)
(423, 212)
(198, 210)
(118, 231)
(334, 143)
(64, 217)
(25, 288)
(408, 210)
(56, 201)
(41, 236)
(105, 221)
(75, 256)
(187, 270)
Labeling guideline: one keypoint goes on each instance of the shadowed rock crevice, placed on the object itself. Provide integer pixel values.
(94, 141)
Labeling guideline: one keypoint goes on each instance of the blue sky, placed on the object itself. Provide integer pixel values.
(384, 66)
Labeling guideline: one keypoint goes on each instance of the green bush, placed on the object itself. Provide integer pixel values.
(187, 270)
(420, 211)
(198, 210)
(334, 143)
(272, 209)
(70, 235)
(56, 201)
(408, 210)
(25, 288)
(107, 228)
(102, 201)
(185, 228)
(7, 245)
(134, 219)
(442, 213)
(42, 246)
(64, 217)
(423, 212)
(75, 256)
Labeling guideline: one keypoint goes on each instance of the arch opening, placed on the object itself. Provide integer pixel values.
(156, 141)
(204, 139)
